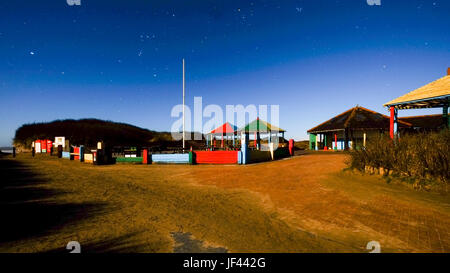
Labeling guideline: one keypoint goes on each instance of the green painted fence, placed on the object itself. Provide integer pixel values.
(129, 160)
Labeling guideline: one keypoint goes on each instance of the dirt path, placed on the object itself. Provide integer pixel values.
(351, 209)
(303, 204)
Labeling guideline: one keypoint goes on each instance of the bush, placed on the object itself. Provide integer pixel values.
(422, 156)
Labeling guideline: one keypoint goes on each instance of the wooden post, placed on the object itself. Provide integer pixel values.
(81, 153)
(222, 140)
(317, 142)
(144, 156)
(258, 141)
(60, 148)
(393, 122)
(244, 147)
(352, 139)
(291, 147)
(212, 145)
(335, 141)
(364, 139)
(312, 139)
(346, 139)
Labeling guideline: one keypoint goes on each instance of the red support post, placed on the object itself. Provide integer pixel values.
(391, 122)
(254, 141)
(291, 147)
(144, 156)
(335, 141)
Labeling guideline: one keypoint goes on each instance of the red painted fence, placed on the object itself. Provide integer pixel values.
(216, 157)
(76, 150)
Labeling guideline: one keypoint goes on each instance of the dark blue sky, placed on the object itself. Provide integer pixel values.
(121, 60)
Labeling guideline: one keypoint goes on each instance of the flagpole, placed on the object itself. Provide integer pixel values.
(183, 105)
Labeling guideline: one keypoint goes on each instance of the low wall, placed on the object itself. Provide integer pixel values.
(128, 159)
(89, 158)
(281, 152)
(259, 156)
(216, 157)
(173, 158)
(76, 150)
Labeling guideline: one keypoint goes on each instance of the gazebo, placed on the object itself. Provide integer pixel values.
(349, 129)
(433, 95)
(225, 131)
(258, 127)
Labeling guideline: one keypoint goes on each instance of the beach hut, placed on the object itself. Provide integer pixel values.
(224, 132)
(259, 128)
(433, 95)
(349, 129)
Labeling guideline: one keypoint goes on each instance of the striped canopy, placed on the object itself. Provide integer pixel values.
(225, 128)
(260, 126)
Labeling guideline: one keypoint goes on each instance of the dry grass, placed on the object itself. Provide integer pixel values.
(303, 204)
(422, 157)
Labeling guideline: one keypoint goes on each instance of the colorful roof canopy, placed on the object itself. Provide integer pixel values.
(356, 118)
(225, 128)
(260, 126)
(434, 94)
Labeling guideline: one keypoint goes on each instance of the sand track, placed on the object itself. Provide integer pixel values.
(304, 204)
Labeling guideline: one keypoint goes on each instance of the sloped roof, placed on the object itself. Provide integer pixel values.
(260, 126)
(434, 94)
(356, 118)
(225, 128)
(425, 121)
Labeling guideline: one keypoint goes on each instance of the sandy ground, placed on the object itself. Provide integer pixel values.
(302, 204)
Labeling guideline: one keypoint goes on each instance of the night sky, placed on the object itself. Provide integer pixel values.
(121, 60)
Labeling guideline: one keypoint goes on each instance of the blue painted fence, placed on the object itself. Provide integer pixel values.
(66, 155)
(170, 158)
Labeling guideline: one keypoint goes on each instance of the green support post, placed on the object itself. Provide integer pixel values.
(191, 158)
(312, 139)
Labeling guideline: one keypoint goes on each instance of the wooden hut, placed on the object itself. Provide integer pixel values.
(433, 95)
(349, 129)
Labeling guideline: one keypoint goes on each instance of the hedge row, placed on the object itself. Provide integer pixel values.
(423, 155)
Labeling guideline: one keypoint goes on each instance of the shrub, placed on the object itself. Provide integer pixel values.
(422, 155)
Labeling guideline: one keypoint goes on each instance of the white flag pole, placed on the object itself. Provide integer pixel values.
(183, 105)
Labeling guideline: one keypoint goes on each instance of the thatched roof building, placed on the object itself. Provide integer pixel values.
(353, 127)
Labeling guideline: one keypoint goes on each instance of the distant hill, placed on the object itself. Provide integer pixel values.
(89, 131)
